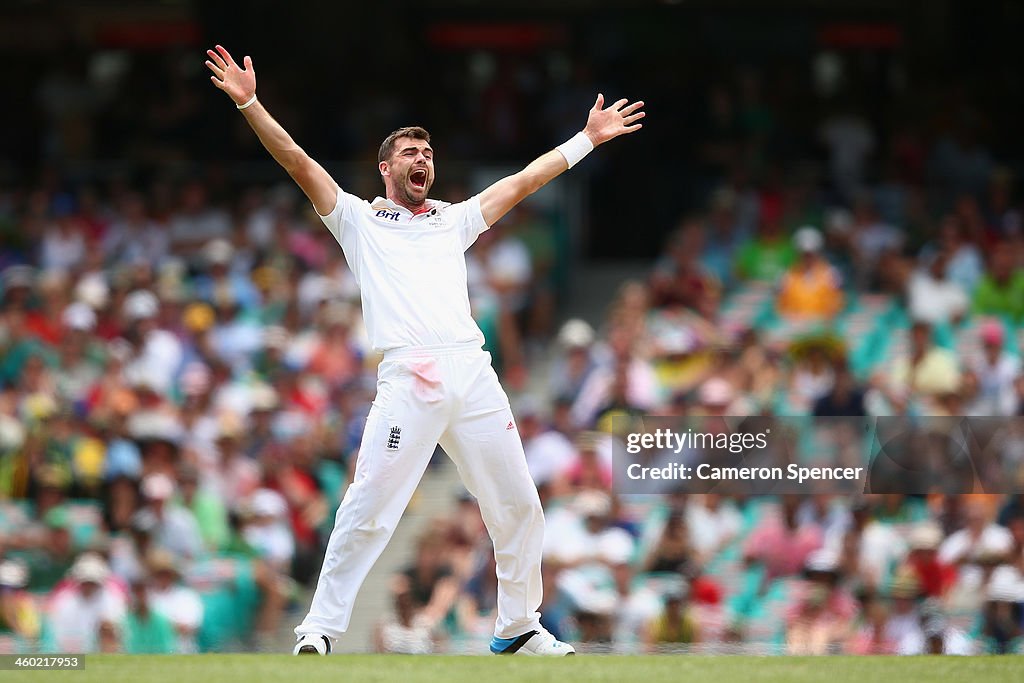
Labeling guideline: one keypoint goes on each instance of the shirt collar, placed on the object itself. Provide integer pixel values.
(385, 202)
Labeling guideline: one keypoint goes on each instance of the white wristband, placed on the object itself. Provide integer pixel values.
(247, 104)
(575, 148)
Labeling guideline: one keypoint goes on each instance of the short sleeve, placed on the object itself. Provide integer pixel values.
(341, 214)
(468, 220)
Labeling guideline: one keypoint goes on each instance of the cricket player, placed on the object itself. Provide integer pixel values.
(435, 383)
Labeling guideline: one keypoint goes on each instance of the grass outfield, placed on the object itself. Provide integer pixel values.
(441, 669)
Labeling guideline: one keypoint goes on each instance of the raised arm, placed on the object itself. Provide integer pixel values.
(240, 85)
(603, 124)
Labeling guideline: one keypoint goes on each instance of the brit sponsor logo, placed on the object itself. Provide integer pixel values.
(387, 215)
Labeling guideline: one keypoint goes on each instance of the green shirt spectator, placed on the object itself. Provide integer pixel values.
(48, 564)
(208, 509)
(212, 518)
(765, 258)
(148, 634)
(1001, 296)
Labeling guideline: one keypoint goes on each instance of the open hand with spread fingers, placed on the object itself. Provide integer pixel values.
(603, 124)
(238, 83)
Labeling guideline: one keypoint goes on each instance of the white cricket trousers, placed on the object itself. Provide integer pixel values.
(428, 395)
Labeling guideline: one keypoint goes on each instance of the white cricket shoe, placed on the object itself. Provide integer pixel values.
(539, 643)
(312, 644)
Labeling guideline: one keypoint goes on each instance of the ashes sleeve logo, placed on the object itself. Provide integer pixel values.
(394, 438)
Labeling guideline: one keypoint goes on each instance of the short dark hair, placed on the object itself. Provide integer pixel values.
(387, 148)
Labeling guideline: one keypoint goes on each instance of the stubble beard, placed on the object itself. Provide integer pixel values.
(405, 194)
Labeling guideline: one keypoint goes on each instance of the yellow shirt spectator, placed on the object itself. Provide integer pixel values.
(811, 293)
(811, 287)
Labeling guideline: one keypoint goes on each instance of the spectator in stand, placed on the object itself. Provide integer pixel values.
(266, 528)
(714, 522)
(549, 453)
(934, 576)
(168, 596)
(50, 560)
(134, 237)
(221, 281)
(964, 264)
(334, 356)
(63, 246)
(870, 638)
(576, 361)
(674, 551)
(813, 374)
(904, 623)
(232, 476)
(591, 468)
(850, 140)
(873, 547)
(475, 608)
(933, 296)
(407, 631)
(85, 614)
(845, 398)
(1002, 612)
(146, 632)
(723, 236)
(587, 542)
(627, 317)
(196, 223)
(19, 615)
(173, 526)
(1001, 289)
(289, 470)
(717, 398)
(811, 288)
(872, 239)
(975, 549)
(940, 637)
(627, 383)
(208, 510)
(995, 373)
(822, 614)
(923, 374)
(681, 279)
(781, 544)
(44, 321)
(81, 360)
(766, 257)
(156, 353)
(428, 580)
(675, 625)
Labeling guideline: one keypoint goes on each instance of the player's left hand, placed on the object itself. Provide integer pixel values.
(603, 124)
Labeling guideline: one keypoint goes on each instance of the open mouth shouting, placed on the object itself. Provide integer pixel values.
(418, 178)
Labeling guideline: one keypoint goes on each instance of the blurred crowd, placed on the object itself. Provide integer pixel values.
(882, 574)
(183, 385)
(888, 283)
(184, 372)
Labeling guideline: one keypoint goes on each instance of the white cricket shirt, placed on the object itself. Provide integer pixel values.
(411, 269)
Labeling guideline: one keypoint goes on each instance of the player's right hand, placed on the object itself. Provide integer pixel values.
(238, 83)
